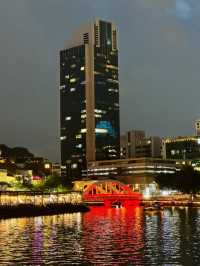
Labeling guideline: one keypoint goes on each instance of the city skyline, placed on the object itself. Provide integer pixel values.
(159, 64)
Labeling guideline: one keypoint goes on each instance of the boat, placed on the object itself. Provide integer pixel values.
(116, 205)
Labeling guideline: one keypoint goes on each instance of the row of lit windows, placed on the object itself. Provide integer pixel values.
(113, 90)
(97, 130)
(83, 116)
(74, 65)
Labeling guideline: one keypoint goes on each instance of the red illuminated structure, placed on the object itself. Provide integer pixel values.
(110, 193)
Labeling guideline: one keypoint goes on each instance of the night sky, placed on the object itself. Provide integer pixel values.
(159, 66)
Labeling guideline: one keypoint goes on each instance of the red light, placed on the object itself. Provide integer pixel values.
(110, 193)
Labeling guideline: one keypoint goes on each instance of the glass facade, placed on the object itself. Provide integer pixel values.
(72, 106)
(91, 66)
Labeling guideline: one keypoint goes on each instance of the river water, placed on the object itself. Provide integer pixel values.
(103, 236)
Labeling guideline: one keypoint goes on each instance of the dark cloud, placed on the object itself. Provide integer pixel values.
(159, 65)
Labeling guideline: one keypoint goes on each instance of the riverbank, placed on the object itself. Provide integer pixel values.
(29, 210)
(170, 203)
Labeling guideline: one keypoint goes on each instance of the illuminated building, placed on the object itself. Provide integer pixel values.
(89, 98)
(133, 167)
(140, 172)
(182, 148)
(135, 144)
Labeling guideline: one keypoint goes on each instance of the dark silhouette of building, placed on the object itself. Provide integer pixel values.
(89, 98)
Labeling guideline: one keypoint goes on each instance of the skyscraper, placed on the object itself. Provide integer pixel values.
(89, 98)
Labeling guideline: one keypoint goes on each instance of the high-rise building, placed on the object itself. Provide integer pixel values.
(89, 98)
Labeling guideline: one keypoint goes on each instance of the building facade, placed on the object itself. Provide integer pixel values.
(135, 144)
(187, 147)
(139, 172)
(134, 167)
(89, 98)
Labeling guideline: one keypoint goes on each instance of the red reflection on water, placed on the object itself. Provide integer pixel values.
(113, 236)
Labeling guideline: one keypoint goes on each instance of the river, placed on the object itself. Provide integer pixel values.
(103, 236)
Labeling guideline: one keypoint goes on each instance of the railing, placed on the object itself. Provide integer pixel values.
(14, 198)
(120, 196)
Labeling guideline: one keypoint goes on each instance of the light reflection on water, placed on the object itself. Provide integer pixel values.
(103, 236)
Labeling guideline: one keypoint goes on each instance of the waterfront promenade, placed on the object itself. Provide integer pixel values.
(175, 200)
(13, 198)
(24, 204)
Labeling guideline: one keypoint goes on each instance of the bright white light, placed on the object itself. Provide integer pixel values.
(101, 130)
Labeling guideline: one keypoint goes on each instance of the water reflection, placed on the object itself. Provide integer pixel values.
(113, 236)
(103, 236)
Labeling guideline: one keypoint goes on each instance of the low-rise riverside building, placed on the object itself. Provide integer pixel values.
(182, 147)
(140, 172)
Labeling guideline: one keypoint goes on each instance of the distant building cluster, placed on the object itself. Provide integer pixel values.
(135, 144)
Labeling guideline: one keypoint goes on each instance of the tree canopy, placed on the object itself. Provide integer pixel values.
(187, 180)
(14, 153)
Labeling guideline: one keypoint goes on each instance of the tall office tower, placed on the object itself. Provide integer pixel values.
(89, 98)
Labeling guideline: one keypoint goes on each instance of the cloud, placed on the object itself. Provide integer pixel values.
(183, 9)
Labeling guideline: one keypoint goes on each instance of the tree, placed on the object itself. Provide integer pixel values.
(187, 180)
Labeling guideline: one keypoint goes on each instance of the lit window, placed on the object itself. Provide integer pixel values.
(62, 137)
(83, 130)
(101, 130)
(73, 80)
(62, 87)
(73, 66)
(67, 76)
(83, 116)
(100, 111)
(67, 118)
(79, 136)
(105, 127)
(74, 166)
(112, 80)
(79, 146)
(82, 68)
(98, 115)
(72, 89)
(108, 42)
(47, 166)
(112, 67)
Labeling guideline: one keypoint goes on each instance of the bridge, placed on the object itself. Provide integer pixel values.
(110, 193)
